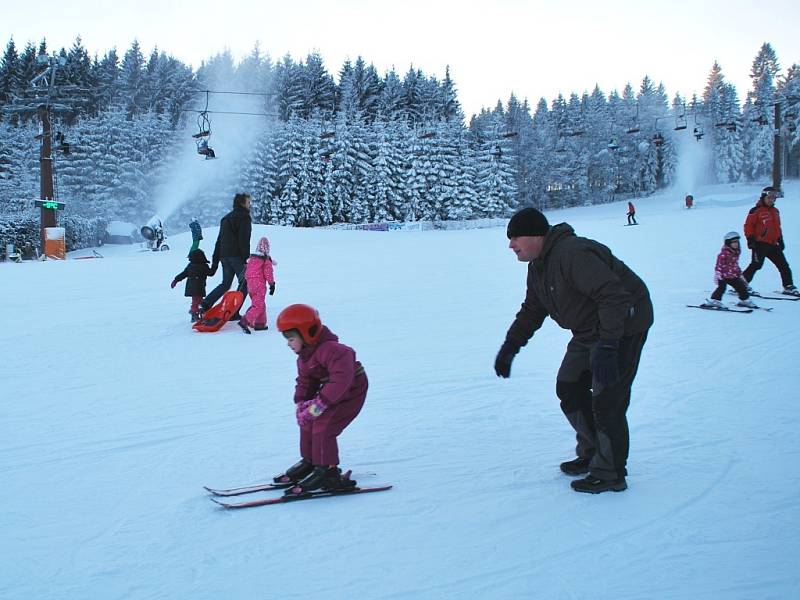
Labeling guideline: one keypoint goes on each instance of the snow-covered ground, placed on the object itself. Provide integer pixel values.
(114, 414)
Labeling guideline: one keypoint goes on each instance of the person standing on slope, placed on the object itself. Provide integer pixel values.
(762, 228)
(583, 287)
(631, 214)
(259, 273)
(231, 250)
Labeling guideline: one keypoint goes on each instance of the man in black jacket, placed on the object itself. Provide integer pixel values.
(232, 250)
(583, 287)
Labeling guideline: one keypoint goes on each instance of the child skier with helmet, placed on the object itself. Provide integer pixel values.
(258, 274)
(728, 273)
(330, 391)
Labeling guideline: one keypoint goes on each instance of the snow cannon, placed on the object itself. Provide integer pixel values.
(153, 233)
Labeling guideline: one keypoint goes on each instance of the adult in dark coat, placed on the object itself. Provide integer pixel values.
(583, 287)
(232, 249)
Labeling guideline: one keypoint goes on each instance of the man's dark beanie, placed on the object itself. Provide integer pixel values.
(528, 221)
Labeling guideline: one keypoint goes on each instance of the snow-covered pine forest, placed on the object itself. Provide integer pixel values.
(317, 149)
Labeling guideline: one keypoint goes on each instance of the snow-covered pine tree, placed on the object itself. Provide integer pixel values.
(132, 89)
(520, 138)
(758, 114)
(317, 89)
(789, 95)
(390, 100)
(10, 75)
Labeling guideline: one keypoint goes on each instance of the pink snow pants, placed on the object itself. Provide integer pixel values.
(318, 439)
(256, 315)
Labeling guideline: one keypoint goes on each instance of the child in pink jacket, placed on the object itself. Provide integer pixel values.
(728, 273)
(258, 274)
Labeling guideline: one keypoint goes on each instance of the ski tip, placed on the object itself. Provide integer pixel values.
(220, 503)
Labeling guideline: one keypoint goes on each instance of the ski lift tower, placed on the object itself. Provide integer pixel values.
(39, 100)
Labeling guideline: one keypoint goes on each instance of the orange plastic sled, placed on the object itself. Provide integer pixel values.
(216, 316)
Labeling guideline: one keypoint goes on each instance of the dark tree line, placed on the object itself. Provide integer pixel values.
(362, 146)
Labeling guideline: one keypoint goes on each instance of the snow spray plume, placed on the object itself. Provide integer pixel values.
(693, 163)
(189, 177)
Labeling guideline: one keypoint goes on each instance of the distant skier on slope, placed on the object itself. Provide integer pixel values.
(727, 273)
(631, 214)
(330, 392)
(583, 287)
(762, 228)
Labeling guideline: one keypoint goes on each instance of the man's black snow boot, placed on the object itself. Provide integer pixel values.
(295, 473)
(595, 485)
(322, 478)
(577, 466)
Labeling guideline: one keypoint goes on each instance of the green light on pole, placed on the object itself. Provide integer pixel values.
(51, 204)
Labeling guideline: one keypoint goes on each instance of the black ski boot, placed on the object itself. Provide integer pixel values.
(244, 325)
(577, 466)
(322, 478)
(295, 473)
(595, 485)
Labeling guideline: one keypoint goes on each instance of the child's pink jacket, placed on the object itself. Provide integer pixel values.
(727, 266)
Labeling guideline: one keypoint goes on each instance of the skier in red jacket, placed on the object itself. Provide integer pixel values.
(762, 228)
(631, 214)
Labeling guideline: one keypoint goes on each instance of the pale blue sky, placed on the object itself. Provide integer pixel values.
(534, 48)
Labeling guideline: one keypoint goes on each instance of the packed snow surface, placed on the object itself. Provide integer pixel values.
(114, 414)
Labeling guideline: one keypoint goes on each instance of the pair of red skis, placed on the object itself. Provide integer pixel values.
(239, 491)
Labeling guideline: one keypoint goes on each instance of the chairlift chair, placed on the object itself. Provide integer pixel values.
(634, 128)
(698, 128)
(203, 134)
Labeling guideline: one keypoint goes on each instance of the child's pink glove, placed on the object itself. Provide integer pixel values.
(309, 410)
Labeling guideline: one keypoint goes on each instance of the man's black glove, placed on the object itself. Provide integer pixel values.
(751, 242)
(502, 364)
(214, 267)
(604, 362)
(781, 245)
(271, 289)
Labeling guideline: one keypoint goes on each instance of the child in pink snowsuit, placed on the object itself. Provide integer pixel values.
(728, 273)
(258, 274)
(330, 392)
